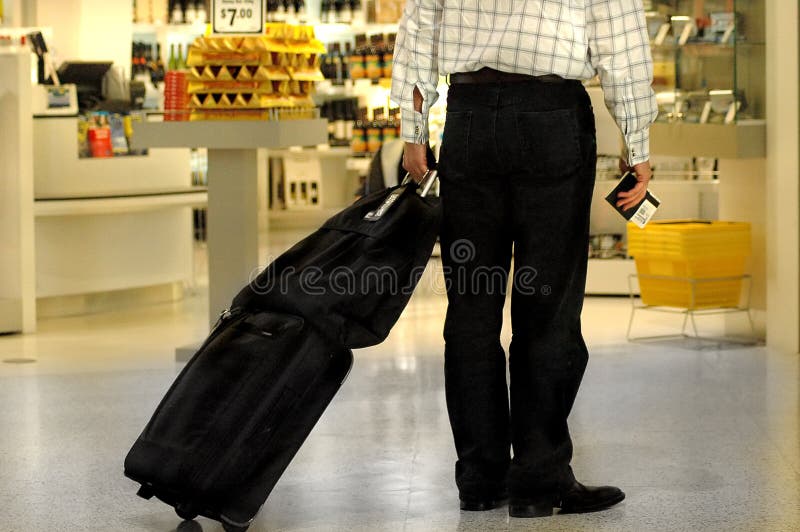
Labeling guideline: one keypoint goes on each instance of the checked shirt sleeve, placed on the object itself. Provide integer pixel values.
(619, 48)
(416, 65)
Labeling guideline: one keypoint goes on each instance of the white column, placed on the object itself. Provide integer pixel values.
(783, 170)
(236, 184)
(17, 278)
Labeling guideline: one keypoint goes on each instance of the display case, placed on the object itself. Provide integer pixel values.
(709, 77)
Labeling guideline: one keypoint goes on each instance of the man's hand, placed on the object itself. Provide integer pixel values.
(415, 160)
(643, 172)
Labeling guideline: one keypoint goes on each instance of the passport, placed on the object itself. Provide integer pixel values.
(642, 212)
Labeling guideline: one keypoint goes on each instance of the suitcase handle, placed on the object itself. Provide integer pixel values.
(425, 185)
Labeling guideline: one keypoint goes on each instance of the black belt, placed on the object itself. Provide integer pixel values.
(490, 75)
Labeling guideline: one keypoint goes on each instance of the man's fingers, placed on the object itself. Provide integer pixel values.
(633, 196)
(415, 160)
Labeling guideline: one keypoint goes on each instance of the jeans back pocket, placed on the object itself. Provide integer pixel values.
(549, 143)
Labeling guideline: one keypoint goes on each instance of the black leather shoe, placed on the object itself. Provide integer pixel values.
(578, 498)
(481, 504)
(575, 498)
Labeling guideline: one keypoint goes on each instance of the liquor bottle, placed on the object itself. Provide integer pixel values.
(327, 65)
(396, 116)
(358, 143)
(359, 13)
(300, 8)
(327, 112)
(202, 14)
(340, 123)
(191, 12)
(177, 12)
(272, 6)
(345, 14)
(280, 11)
(336, 11)
(180, 62)
(374, 130)
(357, 65)
(348, 52)
(388, 56)
(389, 129)
(158, 71)
(350, 117)
(373, 57)
(159, 11)
(291, 11)
(337, 65)
(146, 62)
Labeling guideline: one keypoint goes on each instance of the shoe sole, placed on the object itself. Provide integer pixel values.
(546, 509)
(482, 506)
(596, 508)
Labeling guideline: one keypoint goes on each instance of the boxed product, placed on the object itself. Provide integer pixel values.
(252, 78)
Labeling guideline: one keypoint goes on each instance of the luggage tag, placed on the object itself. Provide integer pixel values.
(422, 190)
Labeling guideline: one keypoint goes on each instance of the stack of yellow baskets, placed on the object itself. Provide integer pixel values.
(678, 251)
(270, 76)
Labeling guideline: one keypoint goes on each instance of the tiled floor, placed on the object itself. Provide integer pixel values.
(699, 439)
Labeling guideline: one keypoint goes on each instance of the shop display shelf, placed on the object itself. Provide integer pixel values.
(150, 29)
(327, 32)
(747, 139)
(230, 134)
(138, 202)
(321, 150)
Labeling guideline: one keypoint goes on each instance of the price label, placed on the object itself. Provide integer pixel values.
(238, 16)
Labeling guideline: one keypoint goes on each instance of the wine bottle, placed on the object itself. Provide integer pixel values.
(348, 52)
(345, 14)
(180, 63)
(302, 14)
(202, 14)
(191, 12)
(172, 62)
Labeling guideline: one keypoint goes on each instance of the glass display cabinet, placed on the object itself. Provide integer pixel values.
(709, 77)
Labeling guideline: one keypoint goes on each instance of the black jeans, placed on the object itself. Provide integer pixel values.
(517, 169)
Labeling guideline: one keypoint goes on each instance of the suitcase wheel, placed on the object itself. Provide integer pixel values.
(185, 513)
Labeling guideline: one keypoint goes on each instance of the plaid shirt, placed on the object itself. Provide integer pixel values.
(575, 39)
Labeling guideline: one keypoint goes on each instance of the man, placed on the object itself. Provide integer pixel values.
(517, 168)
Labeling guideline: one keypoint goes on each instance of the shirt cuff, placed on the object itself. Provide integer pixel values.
(637, 147)
(413, 127)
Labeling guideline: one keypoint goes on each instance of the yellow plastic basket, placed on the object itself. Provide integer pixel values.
(680, 262)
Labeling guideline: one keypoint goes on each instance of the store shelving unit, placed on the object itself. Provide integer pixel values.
(694, 79)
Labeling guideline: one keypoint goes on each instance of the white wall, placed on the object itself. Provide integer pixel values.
(88, 29)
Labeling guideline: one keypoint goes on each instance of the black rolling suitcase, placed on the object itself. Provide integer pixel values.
(243, 405)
